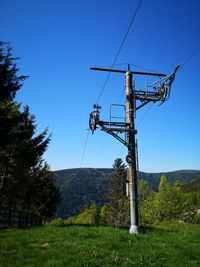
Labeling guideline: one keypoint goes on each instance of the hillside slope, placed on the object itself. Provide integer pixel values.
(183, 176)
(80, 187)
(162, 245)
(191, 186)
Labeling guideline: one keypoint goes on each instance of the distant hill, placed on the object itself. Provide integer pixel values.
(191, 186)
(80, 187)
(183, 176)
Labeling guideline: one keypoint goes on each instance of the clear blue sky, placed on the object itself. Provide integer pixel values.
(58, 41)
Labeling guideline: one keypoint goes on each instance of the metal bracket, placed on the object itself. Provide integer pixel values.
(107, 130)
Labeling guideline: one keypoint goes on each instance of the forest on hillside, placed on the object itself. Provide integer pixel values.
(168, 202)
(81, 187)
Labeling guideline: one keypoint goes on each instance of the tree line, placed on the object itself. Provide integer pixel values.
(26, 181)
(169, 202)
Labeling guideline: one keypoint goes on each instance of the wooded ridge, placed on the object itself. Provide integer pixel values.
(82, 186)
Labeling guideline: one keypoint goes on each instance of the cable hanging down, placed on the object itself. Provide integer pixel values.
(84, 149)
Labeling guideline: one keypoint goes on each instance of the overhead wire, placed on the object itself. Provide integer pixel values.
(138, 66)
(137, 126)
(192, 54)
(144, 115)
(84, 149)
(119, 50)
(113, 64)
(117, 55)
(186, 61)
(122, 149)
(109, 66)
(141, 67)
(149, 108)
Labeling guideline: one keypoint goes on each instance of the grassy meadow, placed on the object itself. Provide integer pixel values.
(172, 244)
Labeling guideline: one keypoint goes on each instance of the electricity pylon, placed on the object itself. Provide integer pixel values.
(159, 91)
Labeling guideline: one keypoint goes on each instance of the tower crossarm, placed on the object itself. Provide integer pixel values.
(114, 134)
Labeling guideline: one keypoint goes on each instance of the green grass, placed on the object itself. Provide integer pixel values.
(171, 244)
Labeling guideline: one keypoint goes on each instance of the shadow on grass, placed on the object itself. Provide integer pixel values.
(142, 229)
(160, 229)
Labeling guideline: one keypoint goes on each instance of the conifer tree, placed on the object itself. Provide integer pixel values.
(118, 208)
(21, 165)
(118, 182)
